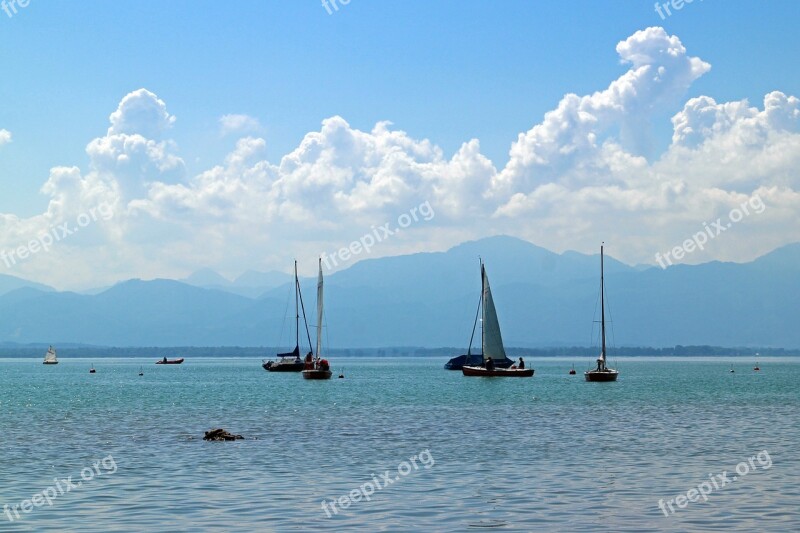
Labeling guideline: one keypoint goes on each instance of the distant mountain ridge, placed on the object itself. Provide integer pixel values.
(544, 299)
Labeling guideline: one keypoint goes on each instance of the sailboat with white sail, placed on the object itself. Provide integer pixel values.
(602, 372)
(291, 361)
(321, 369)
(50, 357)
(492, 349)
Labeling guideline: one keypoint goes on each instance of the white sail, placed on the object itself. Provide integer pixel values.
(319, 311)
(50, 356)
(492, 339)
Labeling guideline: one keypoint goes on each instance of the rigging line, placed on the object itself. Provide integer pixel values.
(611, 321)
(594, 315)
(283, 324)
(305, 321)
(474, 325)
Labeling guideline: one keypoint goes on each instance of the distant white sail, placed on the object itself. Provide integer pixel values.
(492, 339)
(50, 356)
(319, 311)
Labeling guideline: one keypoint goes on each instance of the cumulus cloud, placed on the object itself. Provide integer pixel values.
(5, 137)
(578, 177)
(141, 112)
(236, 124)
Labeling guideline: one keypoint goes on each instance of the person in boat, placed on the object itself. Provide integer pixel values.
(309, 361)
(490, 364)
(521, 364)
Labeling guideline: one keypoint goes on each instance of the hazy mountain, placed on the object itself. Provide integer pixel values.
(251, 284)
(430, 299)
(12, 283)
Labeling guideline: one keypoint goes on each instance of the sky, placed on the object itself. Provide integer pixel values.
(153, 139)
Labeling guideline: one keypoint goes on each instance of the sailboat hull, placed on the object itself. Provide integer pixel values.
(457, 363)
(50, 363)
(601, 375)
(317, 374)
(497, 372)
(283, 367)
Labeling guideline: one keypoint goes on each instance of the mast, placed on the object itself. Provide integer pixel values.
(602, 309)
(296, 308)
(319, 311)
(483, 311)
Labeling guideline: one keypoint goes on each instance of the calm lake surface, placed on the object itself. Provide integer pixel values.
(550, 453)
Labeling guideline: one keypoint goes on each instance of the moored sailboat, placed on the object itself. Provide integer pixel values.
(50, 357)
(291, 361)
(492, 350)
(602, 372)
(319, 368)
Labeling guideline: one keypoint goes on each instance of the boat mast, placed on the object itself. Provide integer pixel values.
(483, 311)
(319, 311)
(296, 308)
(602, 310)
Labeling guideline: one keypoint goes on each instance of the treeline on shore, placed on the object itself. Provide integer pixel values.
(24, 351)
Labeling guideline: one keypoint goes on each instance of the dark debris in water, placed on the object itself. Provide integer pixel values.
(221, 435)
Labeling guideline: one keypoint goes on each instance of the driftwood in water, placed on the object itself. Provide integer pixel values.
(221, 434)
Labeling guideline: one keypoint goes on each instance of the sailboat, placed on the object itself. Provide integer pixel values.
(602, 372)
(50, 357)
(320, 369)
(290, 361)
(141, 372)
(491, 340)
(92, 370)
(471, 359)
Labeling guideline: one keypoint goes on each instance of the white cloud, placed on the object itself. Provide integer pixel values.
(141, 112)
(235, 124)
(5, 137)
(576, 178)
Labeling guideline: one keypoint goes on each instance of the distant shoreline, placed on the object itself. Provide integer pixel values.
(31, 351)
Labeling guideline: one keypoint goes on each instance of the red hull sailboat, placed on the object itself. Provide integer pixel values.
(319, 367)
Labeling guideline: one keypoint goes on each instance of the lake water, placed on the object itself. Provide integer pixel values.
(550, 453)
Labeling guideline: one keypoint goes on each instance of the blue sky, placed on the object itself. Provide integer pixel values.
(446, 71)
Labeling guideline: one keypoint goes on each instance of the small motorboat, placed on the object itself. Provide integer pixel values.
(166, 361)
(497, 372)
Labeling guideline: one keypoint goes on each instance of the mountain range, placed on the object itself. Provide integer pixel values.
(543, 299)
